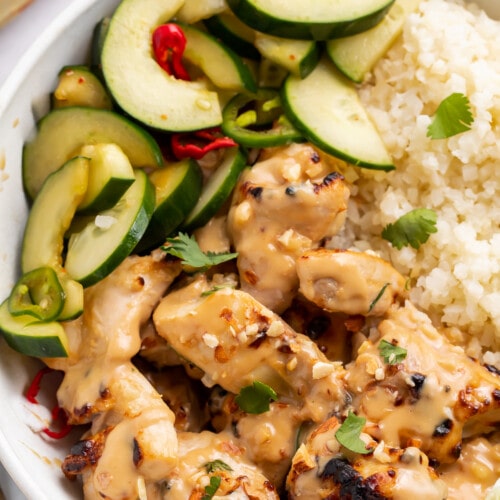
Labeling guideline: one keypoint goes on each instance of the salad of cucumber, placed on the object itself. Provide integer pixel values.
(115, 161)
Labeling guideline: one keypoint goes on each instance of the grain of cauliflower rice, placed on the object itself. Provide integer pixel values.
(446, 47)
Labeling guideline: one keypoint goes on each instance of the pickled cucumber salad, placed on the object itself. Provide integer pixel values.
(235, 210)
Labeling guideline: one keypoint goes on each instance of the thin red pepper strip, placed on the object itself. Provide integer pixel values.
(57, 412)
(169, 43)
(186, 145)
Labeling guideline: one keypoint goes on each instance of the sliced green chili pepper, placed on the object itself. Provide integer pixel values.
(258, 120)
(38, 293)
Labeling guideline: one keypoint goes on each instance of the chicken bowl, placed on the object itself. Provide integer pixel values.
(343, 320)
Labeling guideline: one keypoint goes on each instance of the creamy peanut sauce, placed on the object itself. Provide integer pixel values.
(283, 206)
(429, 417)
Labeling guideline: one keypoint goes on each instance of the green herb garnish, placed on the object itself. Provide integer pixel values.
(216, 465)
(187, 249)
(214, 289)
(413, 228)
(378, 297)
(453, 116)
(211, 489)
(255, 398)
(392, 354)
(348, 434)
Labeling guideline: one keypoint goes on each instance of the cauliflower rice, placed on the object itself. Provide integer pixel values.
(446, 46)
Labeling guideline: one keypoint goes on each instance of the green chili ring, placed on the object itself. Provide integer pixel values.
(263, 113)
(38, 293)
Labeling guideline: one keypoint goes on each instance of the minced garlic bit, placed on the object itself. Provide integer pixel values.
(379, 374)
(322, 370)
(243, 212)
(210, 340)
(291, 170)
(104, 221)
(275, 329)
(292, 364)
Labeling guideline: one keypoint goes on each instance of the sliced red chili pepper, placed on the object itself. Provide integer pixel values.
(57, 413)
(197, 144)
(169, 43)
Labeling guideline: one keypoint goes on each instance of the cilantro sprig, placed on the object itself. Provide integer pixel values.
(413, 228)
(256, 398)
(211, 488)
(391, 354)
(453, 116)
(186, 248)
(215, 465)
(348, 434)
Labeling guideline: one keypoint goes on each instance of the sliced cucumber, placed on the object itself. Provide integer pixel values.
(48, 220)
(78, 86)
(105, 242)
(63, 132)
(297, 56)
(137, 82)
(98, 37)
(110, 175)
(356, 55)
(221, 65)
(217, 190)
(316, 20)
(31, 337)
(233, 33)
(178, 187)
(51, 215)
(193, 11)
(326, 108)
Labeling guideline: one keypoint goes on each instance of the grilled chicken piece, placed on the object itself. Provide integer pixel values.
(132, 438)
(133, 443)
(208, 459)
(349, 282)
(323, 469)
(236, 340)
(283, 206)
(107, 334)
(473, 475)
(270, 438)
(432, 398)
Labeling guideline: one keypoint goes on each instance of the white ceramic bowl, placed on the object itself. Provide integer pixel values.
(34, 463)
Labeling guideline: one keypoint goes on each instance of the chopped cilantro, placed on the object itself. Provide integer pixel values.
(348, 434)
(187, 249)
(453, 116)
(214, 289)
(216, 465)
(211, 489)
(378, 297)
(255, 398)
(413, 228)
(392, 354)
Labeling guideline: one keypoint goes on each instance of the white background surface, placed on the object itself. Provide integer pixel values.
(15, 37)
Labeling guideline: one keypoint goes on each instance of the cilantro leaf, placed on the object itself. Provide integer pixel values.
(187, 249)
(216, 465)
(413, 228)
(255, 398)
(348, 434)
(392, 354)
(453, 116)
(211, 489)
(378, 297)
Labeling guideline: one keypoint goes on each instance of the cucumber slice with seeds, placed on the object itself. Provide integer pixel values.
(326, 108)
(62, 132)
(31, 337)
(217, 190)
(110, 175)
(316, 20)
(105, 242)
(178, 187)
